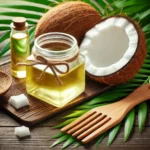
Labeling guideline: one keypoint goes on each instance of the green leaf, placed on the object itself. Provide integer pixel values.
(124, 92)
(134, 9)
(5, 49)
(65, 123)
(101, 3)
(146, 66)
(106, 97)
(141, 76)
(129, 122)
(86, 106)
(144, 71)
(92, 4)
(78, 144)
(5, 21)
(119, 4)
(76, 113)
(20, 14)
(60, 140)
(127, 3)
(142, 113)
(8, 21)
(5, 36)
(58, 135)
(100, 138)
(146, 28)
(144, 14)
(44, 2)
(112, 134)
(146, 61)
(23, 7)
(137, 81)
(3, 28)
(128, 85)
(69, 142)
(31, 33)
(148, 44)
(31, 44)
(147, 80)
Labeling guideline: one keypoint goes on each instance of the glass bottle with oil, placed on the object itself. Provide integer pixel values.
(19, 45)
(56, 47)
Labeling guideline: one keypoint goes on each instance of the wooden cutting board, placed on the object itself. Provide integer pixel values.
(38, 110)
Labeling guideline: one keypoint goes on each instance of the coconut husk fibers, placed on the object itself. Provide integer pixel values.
(74, 18)
(133, 66)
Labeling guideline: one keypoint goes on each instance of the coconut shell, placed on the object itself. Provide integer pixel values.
(133, 66)
(74, 18)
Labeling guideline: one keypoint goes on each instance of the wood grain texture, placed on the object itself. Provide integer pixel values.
(41, 138)
(41, 135)
(38, 110)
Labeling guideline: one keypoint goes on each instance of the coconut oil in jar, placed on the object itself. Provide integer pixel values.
(56, 47)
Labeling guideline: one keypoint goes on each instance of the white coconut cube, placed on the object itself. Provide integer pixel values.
(22, 131)
(19, 101)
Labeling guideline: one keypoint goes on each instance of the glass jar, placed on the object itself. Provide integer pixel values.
(59, 75)
(19, 45)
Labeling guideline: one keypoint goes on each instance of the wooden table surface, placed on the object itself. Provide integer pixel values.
(41, 136)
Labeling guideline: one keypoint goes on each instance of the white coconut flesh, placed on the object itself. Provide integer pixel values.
(109, 46)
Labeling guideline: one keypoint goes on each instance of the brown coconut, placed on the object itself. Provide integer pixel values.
(132, 67)
(74, 18)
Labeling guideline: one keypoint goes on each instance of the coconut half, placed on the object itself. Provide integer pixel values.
(114, 50)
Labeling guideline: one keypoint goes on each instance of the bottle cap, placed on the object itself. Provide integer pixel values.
(19, 23)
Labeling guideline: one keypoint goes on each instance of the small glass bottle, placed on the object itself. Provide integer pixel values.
(19, 45)
(56, 47)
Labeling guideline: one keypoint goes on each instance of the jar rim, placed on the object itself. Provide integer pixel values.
(59, 34)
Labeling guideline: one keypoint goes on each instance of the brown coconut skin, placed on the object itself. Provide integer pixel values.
(132, 68)
(74, 18)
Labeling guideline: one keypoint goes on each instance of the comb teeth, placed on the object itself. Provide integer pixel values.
(77, 122)
(84, 122)
(93, 128)
(97, 132)
(88, 125)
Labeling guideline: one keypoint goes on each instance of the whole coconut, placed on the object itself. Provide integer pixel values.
(74, 18)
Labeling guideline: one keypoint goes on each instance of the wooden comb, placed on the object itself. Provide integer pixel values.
(100, 119)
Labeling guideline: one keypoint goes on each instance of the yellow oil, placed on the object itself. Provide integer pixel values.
(47, 88)
(19, 52)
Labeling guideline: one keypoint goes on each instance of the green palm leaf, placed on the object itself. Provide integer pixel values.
(4, 28)
(23, 7)
(95, 6)
(20, 14)
(142, 113)
(69, 142)
(8, 21)
(44, 2)
(5, 49)
(60, 140)
(5, 36)
(129, 122)
(112, 134)
(100, 138)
